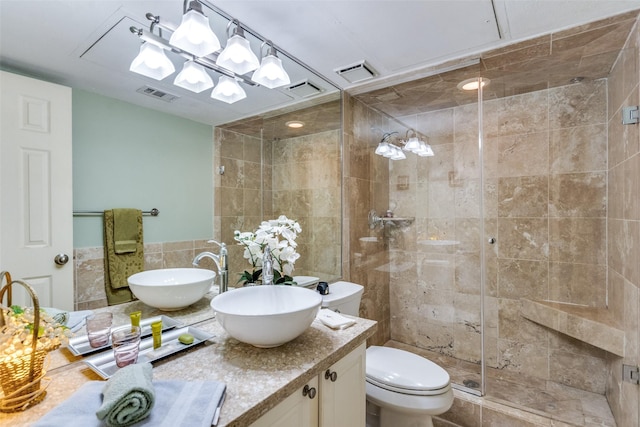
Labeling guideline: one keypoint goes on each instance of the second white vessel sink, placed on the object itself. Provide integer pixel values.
(268, 315)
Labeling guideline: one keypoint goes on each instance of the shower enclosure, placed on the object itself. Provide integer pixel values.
(511, 209)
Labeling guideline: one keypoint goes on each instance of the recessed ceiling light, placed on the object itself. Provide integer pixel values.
(472, 84)
(295, 124)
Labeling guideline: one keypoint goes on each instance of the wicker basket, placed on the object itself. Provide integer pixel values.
(21, 377)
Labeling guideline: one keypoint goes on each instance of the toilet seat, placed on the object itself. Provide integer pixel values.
(404, 372)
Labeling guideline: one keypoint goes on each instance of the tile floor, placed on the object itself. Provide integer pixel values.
(533, 401)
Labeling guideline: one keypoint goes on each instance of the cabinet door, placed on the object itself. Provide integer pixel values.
(297, 410)
(342, 392)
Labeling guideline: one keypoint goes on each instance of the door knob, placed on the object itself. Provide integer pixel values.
(61, 259)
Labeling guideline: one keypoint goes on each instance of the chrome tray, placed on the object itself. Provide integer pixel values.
(80, 345)
(104, 363)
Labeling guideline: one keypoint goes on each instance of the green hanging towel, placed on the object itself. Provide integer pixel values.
(120, 260)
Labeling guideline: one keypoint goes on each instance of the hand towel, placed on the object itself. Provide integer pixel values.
(76, 319)
(128, 396)
(334, 320)
(73, 320)
(178, 403)
(118, 267)
(125, 230)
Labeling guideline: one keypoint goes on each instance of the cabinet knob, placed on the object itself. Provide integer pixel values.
(328, 375)
(309, 391)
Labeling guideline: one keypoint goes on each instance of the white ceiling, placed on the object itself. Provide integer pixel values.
(86, 44)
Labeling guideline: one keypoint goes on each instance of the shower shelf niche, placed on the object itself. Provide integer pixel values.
(396, 221)
(592, 325)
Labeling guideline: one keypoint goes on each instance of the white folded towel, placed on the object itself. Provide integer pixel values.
(76, 319)
(73, 320)
(334, 320)
(178, 403)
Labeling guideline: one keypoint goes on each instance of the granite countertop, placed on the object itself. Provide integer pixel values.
(257, 379)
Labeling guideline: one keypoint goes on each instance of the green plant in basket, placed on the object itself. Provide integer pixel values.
(16, 335)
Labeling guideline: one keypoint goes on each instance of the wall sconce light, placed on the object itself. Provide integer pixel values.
(228, 90)
(237, 55)
(194, 34)
(193, 77)
(152, 62)
(271, 73)
(412, 144)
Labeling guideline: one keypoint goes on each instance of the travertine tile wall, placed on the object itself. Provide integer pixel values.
(89, 267)
(242, 192)
(544, 201)
(623, 228)
(366, 187)
(298, 177)
(307, 187)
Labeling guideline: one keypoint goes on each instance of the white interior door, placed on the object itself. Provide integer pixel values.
(36, 214)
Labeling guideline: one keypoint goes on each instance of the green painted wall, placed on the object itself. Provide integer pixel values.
(134, 157)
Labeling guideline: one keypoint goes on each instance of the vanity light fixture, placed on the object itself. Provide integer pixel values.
(152, 62)
(425, 150)
(228, 90)
(237, 55)
(196, 43)
(194, 34)
(397, 154)
(413, 143)
(270, 73)
(193, 77)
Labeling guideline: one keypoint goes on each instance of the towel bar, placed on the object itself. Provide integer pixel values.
(152, 212)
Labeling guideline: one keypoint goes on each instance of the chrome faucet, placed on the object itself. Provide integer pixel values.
(222, 262)
(267, 267)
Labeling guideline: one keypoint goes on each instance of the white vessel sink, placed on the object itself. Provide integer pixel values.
(268, 315)
(171, 289)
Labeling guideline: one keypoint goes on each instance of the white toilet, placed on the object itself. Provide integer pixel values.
(403, 389)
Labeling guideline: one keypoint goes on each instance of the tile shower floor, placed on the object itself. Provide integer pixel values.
(548, 399)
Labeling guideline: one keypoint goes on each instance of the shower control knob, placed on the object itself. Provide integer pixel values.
(492, 240)
(309, 391)
(61, 259)
(333, 376)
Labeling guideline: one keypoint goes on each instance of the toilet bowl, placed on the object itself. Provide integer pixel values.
(403, 389)
(407, 388)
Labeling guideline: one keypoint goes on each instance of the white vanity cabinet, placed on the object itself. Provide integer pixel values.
(335, 398)
(297, 410)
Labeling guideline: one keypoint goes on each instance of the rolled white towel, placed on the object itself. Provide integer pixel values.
(334, 320)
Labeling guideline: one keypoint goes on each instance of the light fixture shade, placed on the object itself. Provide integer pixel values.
(412, 145)
(237, 56)
(391, 153)
(228, 90)
(193, 77)
(271, 74)
(194, 35)
(152, 62)
(425, 150)
(398, 154)
(382, 148)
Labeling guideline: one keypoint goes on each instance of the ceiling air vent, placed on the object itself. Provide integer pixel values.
(157, 94)
(357, 72)
(304, 88)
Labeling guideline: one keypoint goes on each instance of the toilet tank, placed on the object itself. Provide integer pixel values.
(344, 297)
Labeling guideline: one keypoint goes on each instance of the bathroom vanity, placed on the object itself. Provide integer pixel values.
(317, 378)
